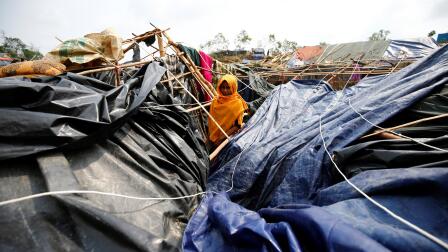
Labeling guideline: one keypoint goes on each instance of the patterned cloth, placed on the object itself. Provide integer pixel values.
(94, 48)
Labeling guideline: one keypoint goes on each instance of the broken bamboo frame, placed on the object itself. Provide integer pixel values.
(199, 103)
(208, 87)
(179, 76)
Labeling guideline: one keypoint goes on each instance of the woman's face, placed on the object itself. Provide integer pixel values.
(225, 89)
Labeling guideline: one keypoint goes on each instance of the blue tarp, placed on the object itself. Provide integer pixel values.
(442, 38)
(284, 196)
(410, 48)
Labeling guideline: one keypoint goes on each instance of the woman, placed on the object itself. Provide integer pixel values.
(227, 109)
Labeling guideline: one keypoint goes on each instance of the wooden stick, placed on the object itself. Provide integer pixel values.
(199, 103)
(198, 107)
(407, 124)
(117, 76)
(218, 149)
(202, 81)
(192, 67)
(161, 47)
(113, 67)
(179, 76)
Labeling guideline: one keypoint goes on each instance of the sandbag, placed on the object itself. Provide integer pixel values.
(34, 68)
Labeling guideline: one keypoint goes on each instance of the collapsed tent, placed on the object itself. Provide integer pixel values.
(72, 132)
(282, 191)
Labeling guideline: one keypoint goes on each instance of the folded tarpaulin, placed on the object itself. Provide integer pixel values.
(278, 159)
(131, 146)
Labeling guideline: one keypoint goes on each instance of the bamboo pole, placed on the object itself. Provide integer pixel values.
(218, 149)
(407, 124)
(161, 47)
(113, 67)
(117, 76)
(202, 81)
(192, 67)
(179, 76)
(198, 107)
(203, 108)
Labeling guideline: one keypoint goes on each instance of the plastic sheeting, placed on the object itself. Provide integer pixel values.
(76, 133)
(65, 109)
(373, 153)
(410, 48)
(369, 50)
(282, 166)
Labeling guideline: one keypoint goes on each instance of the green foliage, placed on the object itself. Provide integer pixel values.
(219, 42)
(288, 46)
(284, 46)
(380, 35)
(15, 48)
(431, 33)
(274, 46)
(242, 40)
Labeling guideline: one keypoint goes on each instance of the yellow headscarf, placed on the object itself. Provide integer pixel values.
(226, 110)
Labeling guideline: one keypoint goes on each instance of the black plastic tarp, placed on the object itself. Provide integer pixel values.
(75, 133)
(377, 153)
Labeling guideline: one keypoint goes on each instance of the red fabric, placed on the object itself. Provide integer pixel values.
(206, 65)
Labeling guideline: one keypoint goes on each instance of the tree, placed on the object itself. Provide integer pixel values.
(242, 40)
(323, 43)
(15, 48)
(380, 35)
(219, 42)
(288, 46)
(431, 33)
(273, 44)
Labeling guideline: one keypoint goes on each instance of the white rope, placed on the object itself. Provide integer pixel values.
(385, 209)
(233, 172)
(52, 193)
(66, 192)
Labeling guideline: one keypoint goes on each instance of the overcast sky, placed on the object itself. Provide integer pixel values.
(194, 22)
